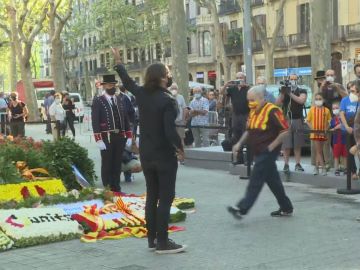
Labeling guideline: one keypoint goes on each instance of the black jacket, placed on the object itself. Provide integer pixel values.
(157, 113)
(103, 118)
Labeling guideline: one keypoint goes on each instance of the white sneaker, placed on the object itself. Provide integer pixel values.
(323, 172)
(316, 170)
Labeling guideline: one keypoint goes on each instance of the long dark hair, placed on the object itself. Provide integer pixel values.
(154, 74)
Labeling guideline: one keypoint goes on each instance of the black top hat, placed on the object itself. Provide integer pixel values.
(320, 74)
(109, 79)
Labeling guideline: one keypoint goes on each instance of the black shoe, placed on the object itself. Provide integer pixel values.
(152, 244)
(286, 168)
(169, 248)
(281, 213)
(235, 212)
(299, 168)
(337, 173)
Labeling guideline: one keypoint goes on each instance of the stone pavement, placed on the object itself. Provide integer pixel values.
(323, 234)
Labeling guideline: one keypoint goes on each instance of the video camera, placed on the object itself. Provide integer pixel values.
(285, 87)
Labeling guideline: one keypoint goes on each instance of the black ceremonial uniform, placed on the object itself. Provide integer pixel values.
(111, 125)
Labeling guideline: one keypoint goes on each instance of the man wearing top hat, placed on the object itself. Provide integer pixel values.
(111, 131)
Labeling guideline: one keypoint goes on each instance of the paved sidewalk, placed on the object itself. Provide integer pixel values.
(323, 234)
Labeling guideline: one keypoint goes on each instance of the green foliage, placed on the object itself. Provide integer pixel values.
(60, 155)
(235, 38)
(57, 157)
(8, 172)
(33, 241)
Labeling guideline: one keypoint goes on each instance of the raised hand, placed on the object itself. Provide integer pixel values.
(116, 55)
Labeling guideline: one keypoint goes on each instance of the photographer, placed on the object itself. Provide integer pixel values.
(292, 99)
(237, 91)
(331, 91)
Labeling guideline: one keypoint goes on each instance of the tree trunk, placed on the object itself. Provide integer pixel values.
(12, 67)
(220, 48)
(57, 65)
(31, 102)
(179, 52)
(269, 62)
(320, 36)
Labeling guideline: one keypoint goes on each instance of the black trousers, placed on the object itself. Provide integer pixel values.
(17, 128)
(69, 120)
(265, 171)
(111, 161)
(3, 119)
(350, 141)
(238, 129)
(160, 186)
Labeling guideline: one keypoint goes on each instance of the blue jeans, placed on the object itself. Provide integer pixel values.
(265, 171)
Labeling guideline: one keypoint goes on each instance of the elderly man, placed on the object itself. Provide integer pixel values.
(237, 91)
(269, 97)
(199, 112)
(265, 132)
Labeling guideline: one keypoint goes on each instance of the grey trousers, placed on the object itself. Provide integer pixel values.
(201, 136)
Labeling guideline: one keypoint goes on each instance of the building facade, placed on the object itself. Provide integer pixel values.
(292, 48)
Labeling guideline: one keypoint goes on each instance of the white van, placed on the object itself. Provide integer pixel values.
(79, 106)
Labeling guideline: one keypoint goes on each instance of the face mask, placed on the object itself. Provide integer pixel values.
(57, 100)
(174, 92)
(319, 84)
(110, 91)
(253, 105)
(330, 79)
(170, 82)
(353, 97)
(318, 103)
(197, 95)
(336, 111)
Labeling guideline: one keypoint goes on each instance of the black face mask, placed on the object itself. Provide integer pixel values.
(319, 84)
(110, 91)
(170, 82)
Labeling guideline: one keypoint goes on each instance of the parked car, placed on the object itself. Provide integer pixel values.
(79, 106)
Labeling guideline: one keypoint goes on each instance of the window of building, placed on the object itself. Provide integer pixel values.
(47, 73)
(128, 54)
(95, 64)
(136, 55)
(102, 60)
(89, 42)
(107, 59)
(85, 41)
(233, 25)
(198, 10)
(187, 11)
(134, 2)
(207, 43)
(158, 51)
(261, 19)
(189, 45)
(143, 55)
(121, 55)
(90, 65)
(168, 49)
(94, 40)
(304, 18)
(281, 28)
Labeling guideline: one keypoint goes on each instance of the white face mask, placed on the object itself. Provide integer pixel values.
(353, 97)
(319, 103)
(174, 92)
(336, 111)
(57, 101)
(197, 95)
(330, 79)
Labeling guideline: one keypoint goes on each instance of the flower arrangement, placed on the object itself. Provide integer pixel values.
(29, 226)
(5, 242)
(21, 191)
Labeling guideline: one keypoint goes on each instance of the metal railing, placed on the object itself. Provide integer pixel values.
(299, 39)
(281, 42)
(231, 50)
(228, 7)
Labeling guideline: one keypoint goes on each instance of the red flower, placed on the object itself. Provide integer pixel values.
(25, 192)
(40, 191)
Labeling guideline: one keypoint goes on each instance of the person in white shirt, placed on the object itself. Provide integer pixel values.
(57, 113)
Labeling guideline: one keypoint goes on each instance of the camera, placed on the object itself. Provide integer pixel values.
(285, 87)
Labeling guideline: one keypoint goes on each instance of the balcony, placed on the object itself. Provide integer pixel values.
(70, 53)
(138, 65)
(204, 19)
(353, 31)
(257, 46)
(281, 42)
(231, 50)
(73, 74)
(299, 40)
(257, 3)
(339, 33)
(228, 7)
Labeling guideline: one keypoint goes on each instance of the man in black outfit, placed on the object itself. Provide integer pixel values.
(111, 129)
(237, 91)
(160, 148)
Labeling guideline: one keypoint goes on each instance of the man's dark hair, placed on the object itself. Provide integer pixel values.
(52, 92)
(319, 94)
(356, 66)
(154, 74)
